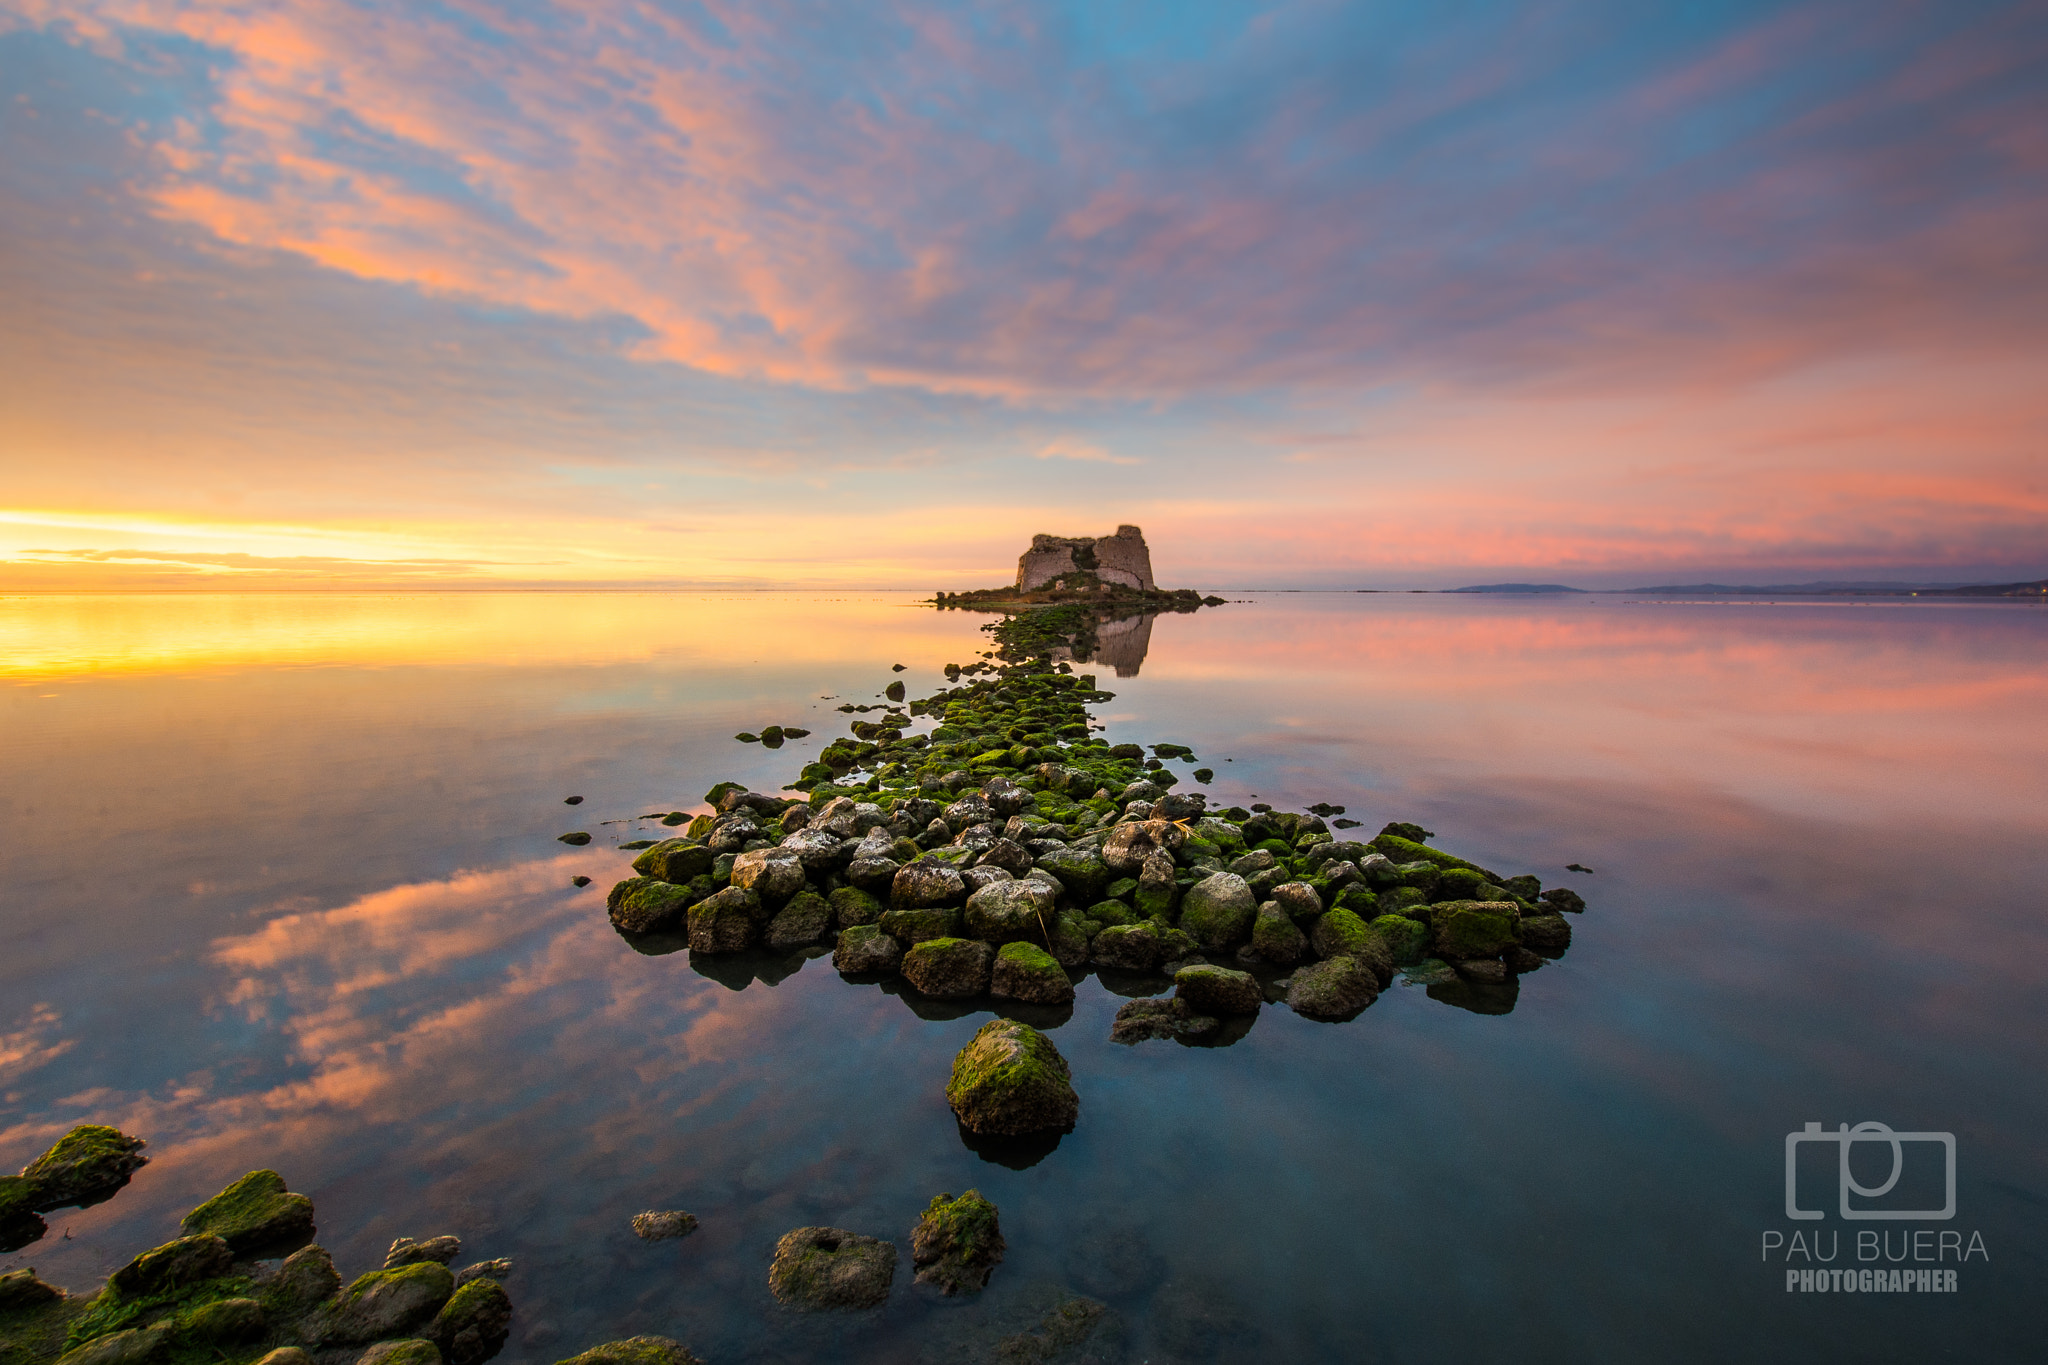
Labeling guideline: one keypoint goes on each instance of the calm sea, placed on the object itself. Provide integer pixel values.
(282, 888)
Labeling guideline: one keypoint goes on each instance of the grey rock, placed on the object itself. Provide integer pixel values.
(411, 1351)
(390, 1303)
(1130, 843)
(1276, 938)
(927, 883)
(1007, 854)
(439, 1250)
(496, 1269)
(1217, 911)
(773, 874)
(1010, 912)
(1132, 947)
(1298, 901)
(801, 923)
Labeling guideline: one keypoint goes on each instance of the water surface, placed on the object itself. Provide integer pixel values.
(282, 889)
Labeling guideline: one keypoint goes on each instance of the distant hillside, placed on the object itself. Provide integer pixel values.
(1843, 590)
(1517, 587)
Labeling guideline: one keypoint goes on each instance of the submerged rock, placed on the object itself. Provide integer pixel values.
(957, 1243)
(828, 1269)
(255, 1211)
(1010, 1080)
(656, 1226)
(1144, 1020)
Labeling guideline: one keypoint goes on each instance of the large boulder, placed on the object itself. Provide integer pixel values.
(307, 1277)
(173, 1265)
(255, 1211)
(825, 1269)
(647, 905)
(957, 1243)
(1024, 971)
(1010, 912)
(1335, 988)
(873, 873)
(1007, 854)
(390, 1303)
(865, 950)
(726, 921)
(949, 968)
(1217, 911)
(1011, 1080)
(86, 1164)
(1218, 990)
(1548, 933)
(926, 883)
(1298, 901)
(1131, 842)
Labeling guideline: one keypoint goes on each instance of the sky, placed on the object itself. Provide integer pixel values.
(376, 294)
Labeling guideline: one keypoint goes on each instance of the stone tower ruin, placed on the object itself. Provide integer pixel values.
(1121, 558)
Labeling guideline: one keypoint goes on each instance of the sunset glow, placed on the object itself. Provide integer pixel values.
(338, 293)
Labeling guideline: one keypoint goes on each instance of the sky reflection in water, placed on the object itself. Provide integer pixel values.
(284, 891)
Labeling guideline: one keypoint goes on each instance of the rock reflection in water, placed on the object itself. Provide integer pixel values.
(1120, 645)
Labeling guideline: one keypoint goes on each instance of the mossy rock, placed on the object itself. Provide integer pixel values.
(1218, 991)
(86, 1164)
(636, 1351)
(130, 1346)
(646, 905)
(390, 1303)
(675, 860)
(1407, 940)
(1409, 850)
(851, 906)
(172, 1266)
(1026, 972)
(1460, 884)
(1475, 929)
(1359, 899)
(472, 1326)
(1217, 911)
(911, 927)
(1010, 1080)
(1276, 938)
(831, 1269)
(1334, 989)
(803, 922)
(957, 1244)
(255, 1211)
(949, 968)
(224, 1322)
(411, 1351)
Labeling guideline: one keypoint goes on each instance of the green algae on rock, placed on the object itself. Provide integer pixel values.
(255, 1211)
(831, 1269)
(957, 1243)
(1010, 1080)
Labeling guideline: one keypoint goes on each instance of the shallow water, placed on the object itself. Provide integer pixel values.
(282, 889)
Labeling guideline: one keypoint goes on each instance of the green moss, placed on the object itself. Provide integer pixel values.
(1407, 940)
(1473, 929)
(33, 1325)
(110, 1312)
(1359, 899)
(1459, 884)
(254, 1211)
(1010, 1079)
(1402, 850)
(89, 1160)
